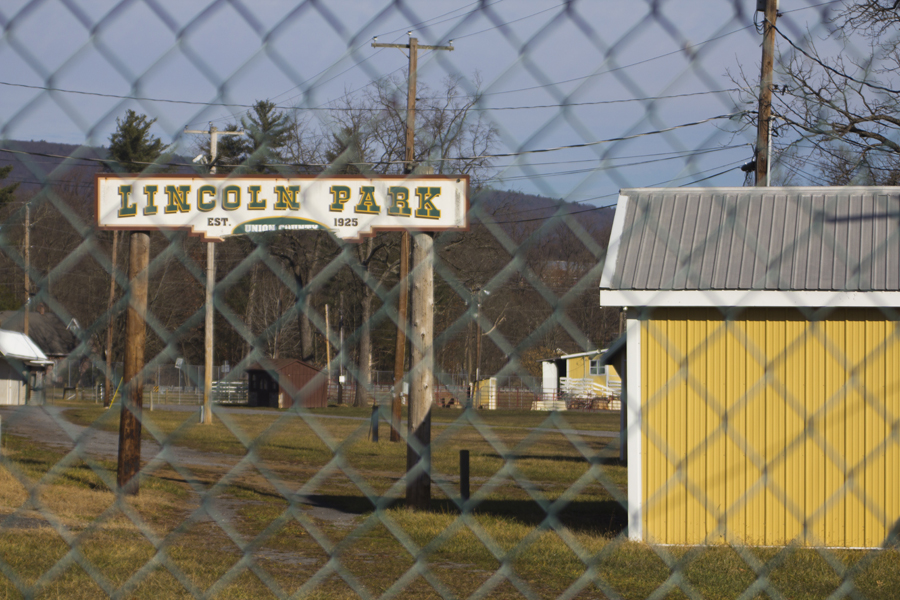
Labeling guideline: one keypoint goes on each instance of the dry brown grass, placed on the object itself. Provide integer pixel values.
(256, 538)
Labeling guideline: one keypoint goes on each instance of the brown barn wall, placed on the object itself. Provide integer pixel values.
(300, 376)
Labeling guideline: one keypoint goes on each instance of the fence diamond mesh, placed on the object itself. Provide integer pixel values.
(636, 376)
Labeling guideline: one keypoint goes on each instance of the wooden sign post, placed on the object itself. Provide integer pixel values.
(135, 336)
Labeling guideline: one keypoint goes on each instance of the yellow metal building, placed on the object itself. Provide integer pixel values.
(762, 364)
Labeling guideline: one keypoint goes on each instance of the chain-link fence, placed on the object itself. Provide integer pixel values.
(636, 393)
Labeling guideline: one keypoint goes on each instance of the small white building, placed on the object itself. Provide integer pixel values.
(582, 374)
(22, 364)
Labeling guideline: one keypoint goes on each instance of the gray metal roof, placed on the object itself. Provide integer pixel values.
(794, 238)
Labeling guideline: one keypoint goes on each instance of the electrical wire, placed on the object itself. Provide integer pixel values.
(510, 22)
(455, 158)
(598, 142)
(608, 167)
(400, 30)
(356, 64)
(832, 69)
(734, 166)
(339, 109)
(619, 68)
(675, 153)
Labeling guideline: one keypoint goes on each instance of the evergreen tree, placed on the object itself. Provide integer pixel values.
(270, 132)
(344, 153)
(7, 193)
(132, 148)
(233, 149)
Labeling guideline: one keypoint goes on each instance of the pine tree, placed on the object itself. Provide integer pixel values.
(233, 149)
(132, 149)
(270, 131)
(7, 193)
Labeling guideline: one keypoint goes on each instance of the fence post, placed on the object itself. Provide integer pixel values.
(464, 474)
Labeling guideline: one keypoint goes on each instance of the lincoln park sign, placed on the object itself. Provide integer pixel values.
(217, 206)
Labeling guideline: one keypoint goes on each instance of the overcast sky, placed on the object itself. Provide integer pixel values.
(606, 61)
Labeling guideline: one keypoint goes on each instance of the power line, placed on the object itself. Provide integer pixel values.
(364, 109)
(390, 162)
(612, 166)
(532, 15)
(356, 64)
(619, 68)
(510, 22)
(537, 87)
(598, 142)
(733, 166)
(832, 69)
(675, 153)
(400, 30)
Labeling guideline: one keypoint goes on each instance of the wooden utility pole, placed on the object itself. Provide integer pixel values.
(421, 389)
(27, 266)
(400, 348)
(402, 320)
(764, 124)
(27, 291)
(210, 279)
(328, 343)
(129, 464)
(478, 335)
(108, 391)
(340, 398)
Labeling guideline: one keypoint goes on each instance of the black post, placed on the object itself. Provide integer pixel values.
(464, 474)
(374, 423)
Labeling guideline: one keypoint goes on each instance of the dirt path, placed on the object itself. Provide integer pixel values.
(48, 425)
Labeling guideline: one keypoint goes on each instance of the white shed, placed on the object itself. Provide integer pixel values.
(20, 357)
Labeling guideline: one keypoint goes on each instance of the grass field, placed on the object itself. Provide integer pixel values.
(268, 525)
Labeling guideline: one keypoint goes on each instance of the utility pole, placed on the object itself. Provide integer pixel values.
(129, 459)
(27, 290)
(328, 343)
(478, 335)
(764, 124)
(402, 319)
(108, 391)
(210, 277)
(418, 488)
(27, 265)
(340, 398)
(421, 388)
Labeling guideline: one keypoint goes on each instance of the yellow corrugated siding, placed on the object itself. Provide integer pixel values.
(577, 368)
(769, 428)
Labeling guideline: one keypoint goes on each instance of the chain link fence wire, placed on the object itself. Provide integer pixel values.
(551, 107)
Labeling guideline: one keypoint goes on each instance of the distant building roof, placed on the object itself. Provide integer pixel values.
(19, 346)
(279, 364)
(814, 240)
(577, 355)
(53, 336)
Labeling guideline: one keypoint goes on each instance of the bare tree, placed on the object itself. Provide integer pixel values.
(450, 135)
(368, 132)
(836, 110)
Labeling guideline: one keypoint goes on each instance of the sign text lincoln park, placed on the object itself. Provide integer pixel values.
(218, 206)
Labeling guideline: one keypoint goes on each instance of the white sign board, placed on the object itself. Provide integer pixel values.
(218, 206)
